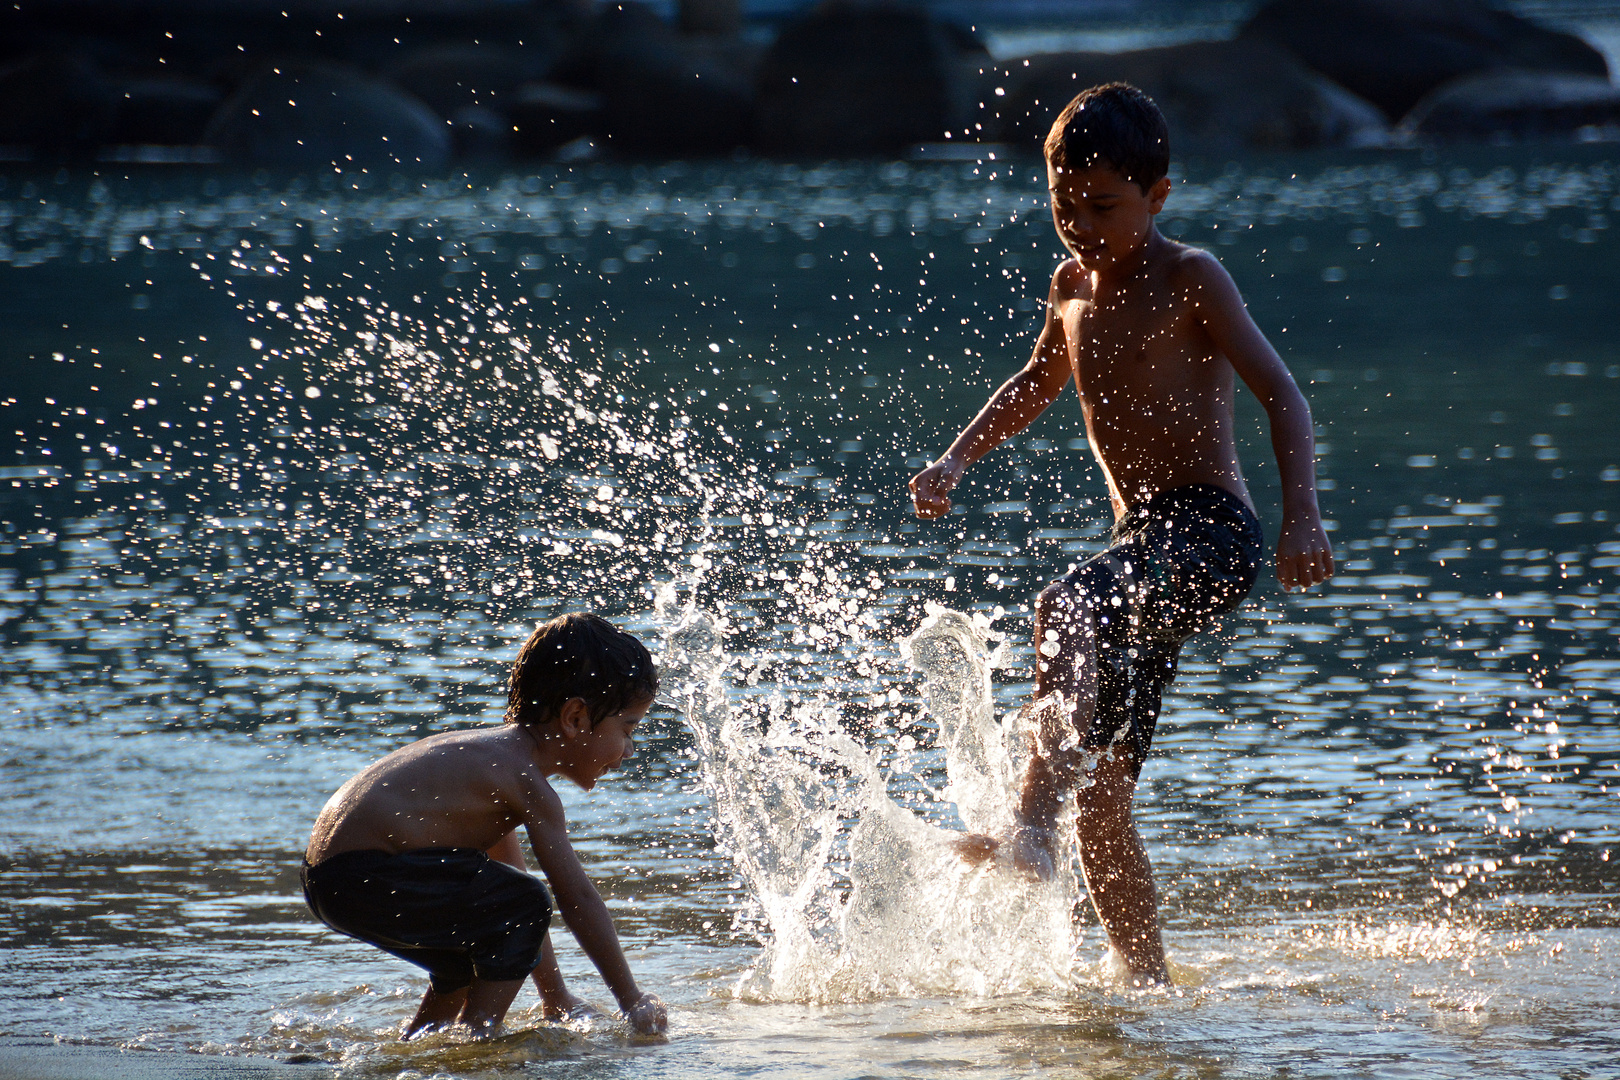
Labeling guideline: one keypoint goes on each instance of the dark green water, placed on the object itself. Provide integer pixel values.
(292, 466)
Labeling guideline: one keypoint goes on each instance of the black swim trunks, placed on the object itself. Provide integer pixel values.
(454, 911)
(1173, 565)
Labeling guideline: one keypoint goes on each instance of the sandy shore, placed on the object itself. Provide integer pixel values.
(42, 1059)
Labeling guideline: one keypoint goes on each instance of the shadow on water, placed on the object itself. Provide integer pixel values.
(295, 463)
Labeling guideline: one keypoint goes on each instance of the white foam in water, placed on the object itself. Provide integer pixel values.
(862, 897)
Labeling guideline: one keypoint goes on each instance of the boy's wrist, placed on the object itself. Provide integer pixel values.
(1301, 504)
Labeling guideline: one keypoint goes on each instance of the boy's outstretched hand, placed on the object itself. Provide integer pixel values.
(1304, 555)
(648, 1016)
(931, 488)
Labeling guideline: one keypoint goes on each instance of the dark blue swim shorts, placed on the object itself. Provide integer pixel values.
(1173, 565)
(454, 911)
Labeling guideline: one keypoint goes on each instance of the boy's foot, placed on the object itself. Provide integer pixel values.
(567, 1008)
(1025, 850)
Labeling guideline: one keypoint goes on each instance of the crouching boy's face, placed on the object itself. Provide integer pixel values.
(1101, 217)
(588, 750)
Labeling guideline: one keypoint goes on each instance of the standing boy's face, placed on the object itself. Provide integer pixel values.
(1100, 216)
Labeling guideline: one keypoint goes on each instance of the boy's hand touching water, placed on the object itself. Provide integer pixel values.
(648, 1016)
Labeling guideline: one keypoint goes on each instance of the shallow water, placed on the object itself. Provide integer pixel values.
(295, 463)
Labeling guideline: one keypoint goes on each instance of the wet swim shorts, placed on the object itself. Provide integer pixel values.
(454, 911)
(1173, 565)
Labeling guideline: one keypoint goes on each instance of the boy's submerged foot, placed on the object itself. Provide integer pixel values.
(1118, 967)
(564, 1007)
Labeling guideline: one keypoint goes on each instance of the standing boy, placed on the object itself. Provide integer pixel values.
(1152, 332)
(418, 854)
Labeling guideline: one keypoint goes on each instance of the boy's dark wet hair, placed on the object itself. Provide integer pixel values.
(1115, 125)
(578, 656)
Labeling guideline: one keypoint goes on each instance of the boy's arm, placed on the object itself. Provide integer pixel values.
(1011, 409)
(581, 907)
(556, 1001)
(1304, 555)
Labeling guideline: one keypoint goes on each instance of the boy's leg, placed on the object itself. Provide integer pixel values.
(481, 1006)
(1118, 874)
(557, 1002)
(1066, 665)
(1066, 649)
(487, 1002)
(436, 1011)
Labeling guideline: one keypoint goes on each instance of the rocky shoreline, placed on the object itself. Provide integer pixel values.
(430, 84)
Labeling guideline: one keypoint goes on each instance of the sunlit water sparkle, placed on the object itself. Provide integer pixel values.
(296, 463)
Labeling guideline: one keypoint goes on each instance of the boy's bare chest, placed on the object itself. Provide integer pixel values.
(1143, 336)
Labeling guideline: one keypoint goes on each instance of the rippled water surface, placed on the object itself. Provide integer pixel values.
(292, 465)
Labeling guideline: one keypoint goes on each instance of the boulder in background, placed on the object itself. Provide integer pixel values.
(302, 114)
(1393, 52)
(57, 105)
(162, 111)
(660, 94)
(1218, 97)
(455, 76)
(546, 116)
(855, 79)
(1514, 104)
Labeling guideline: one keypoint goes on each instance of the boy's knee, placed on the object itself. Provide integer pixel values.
(1111, 791)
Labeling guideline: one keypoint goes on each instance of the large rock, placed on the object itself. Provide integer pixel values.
(192, 36)
(476, 89)
(448, 78)
(545, 117)
(59, 106)
(305, 114)
(860, 79)
(163, 110)
(659, 94)
(721, 17)
(1393, 52)
(1218, 97)
(1514, 104)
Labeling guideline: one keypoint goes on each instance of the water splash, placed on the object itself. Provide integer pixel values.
(862, 897)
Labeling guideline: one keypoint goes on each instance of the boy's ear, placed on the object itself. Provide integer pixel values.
(1156, 194)
(574, 718)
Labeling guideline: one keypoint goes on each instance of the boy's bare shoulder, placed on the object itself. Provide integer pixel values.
(498, 759)
(516, 765)
(1070, 282)
(1192, 270)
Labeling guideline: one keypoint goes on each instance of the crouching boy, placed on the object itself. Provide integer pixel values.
(418, 854)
